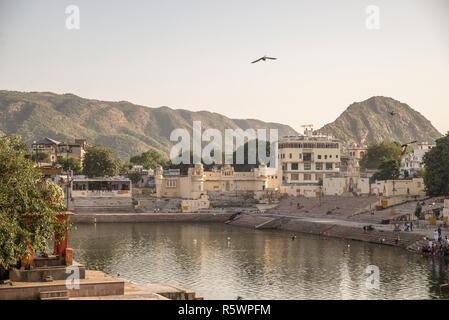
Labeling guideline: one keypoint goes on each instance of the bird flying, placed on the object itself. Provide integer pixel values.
(264, 58)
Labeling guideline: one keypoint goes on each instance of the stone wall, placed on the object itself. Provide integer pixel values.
(106, 204)
(231, 199)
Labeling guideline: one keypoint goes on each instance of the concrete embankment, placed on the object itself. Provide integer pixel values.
(149, 217)
(329, 228)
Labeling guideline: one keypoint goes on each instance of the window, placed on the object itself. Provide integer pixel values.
(319, 156)
(300, 156)
(328, 165)
(294, 176)
(330, 157)
(325, 157)
(319, 166)
(307, 157)
(294, 166)
(336, 156)
(307, 177)
(171, 183)
(307, 166)
(290, 155)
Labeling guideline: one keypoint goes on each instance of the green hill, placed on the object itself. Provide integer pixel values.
(125, 127)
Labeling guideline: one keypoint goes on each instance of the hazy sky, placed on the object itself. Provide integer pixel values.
(196, 55)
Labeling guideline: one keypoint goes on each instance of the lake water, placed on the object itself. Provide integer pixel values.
(222, 262)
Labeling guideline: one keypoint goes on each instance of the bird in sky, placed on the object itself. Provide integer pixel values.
(264, 58)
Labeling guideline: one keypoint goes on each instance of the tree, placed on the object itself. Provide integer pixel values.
(29, 205)
(388, 170)
(99, 162)
(406, 174)
(40, 156)
(149, 160)
(135, 177)
(420, 173)
(72, 164)
(418, 210)
(436, 164)
(378, 152)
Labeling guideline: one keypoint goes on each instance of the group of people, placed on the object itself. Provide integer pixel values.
(407, 227)
(437, 246)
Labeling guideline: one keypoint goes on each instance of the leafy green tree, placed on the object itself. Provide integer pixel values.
(99, 162)
(406, 174)
(418, 210)
(436, 164)
(135, 177)
(149, 159)
(40, 156)
(388, 170)
(244, 167)
(378, 152)
(72, 164)
(420, 173)
(29, 205)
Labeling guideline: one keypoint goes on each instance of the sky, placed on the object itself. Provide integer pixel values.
(196, 54)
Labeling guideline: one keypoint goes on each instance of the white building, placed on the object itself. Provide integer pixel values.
(306, 159)
(413, 162)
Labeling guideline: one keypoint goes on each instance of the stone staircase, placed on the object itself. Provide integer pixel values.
(161, 204)
(402, 211)
(338, 206)
(54, 295)
(44, 269)
(417, 245)
(102, 205)
(232, 199)
(375, 236)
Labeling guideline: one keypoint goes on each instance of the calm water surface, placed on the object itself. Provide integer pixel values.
(222, 262)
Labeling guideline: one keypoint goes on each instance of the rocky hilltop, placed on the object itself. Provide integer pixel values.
(380, 118)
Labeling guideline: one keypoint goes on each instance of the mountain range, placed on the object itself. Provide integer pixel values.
(127, 128)
(130, 129)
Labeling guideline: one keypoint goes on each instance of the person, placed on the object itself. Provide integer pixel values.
(439, 231)
(411, 226)
(372, 212)
(435, 236)
(406, 227)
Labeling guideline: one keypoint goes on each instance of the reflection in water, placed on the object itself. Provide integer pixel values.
(222, 262)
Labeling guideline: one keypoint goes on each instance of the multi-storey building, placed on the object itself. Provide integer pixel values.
(198, 181)
(307, 159)
(60, 150)
(413, 162)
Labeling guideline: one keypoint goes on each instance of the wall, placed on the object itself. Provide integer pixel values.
(307, 191)
(195, 205)
(402, 187)
(99, 194)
